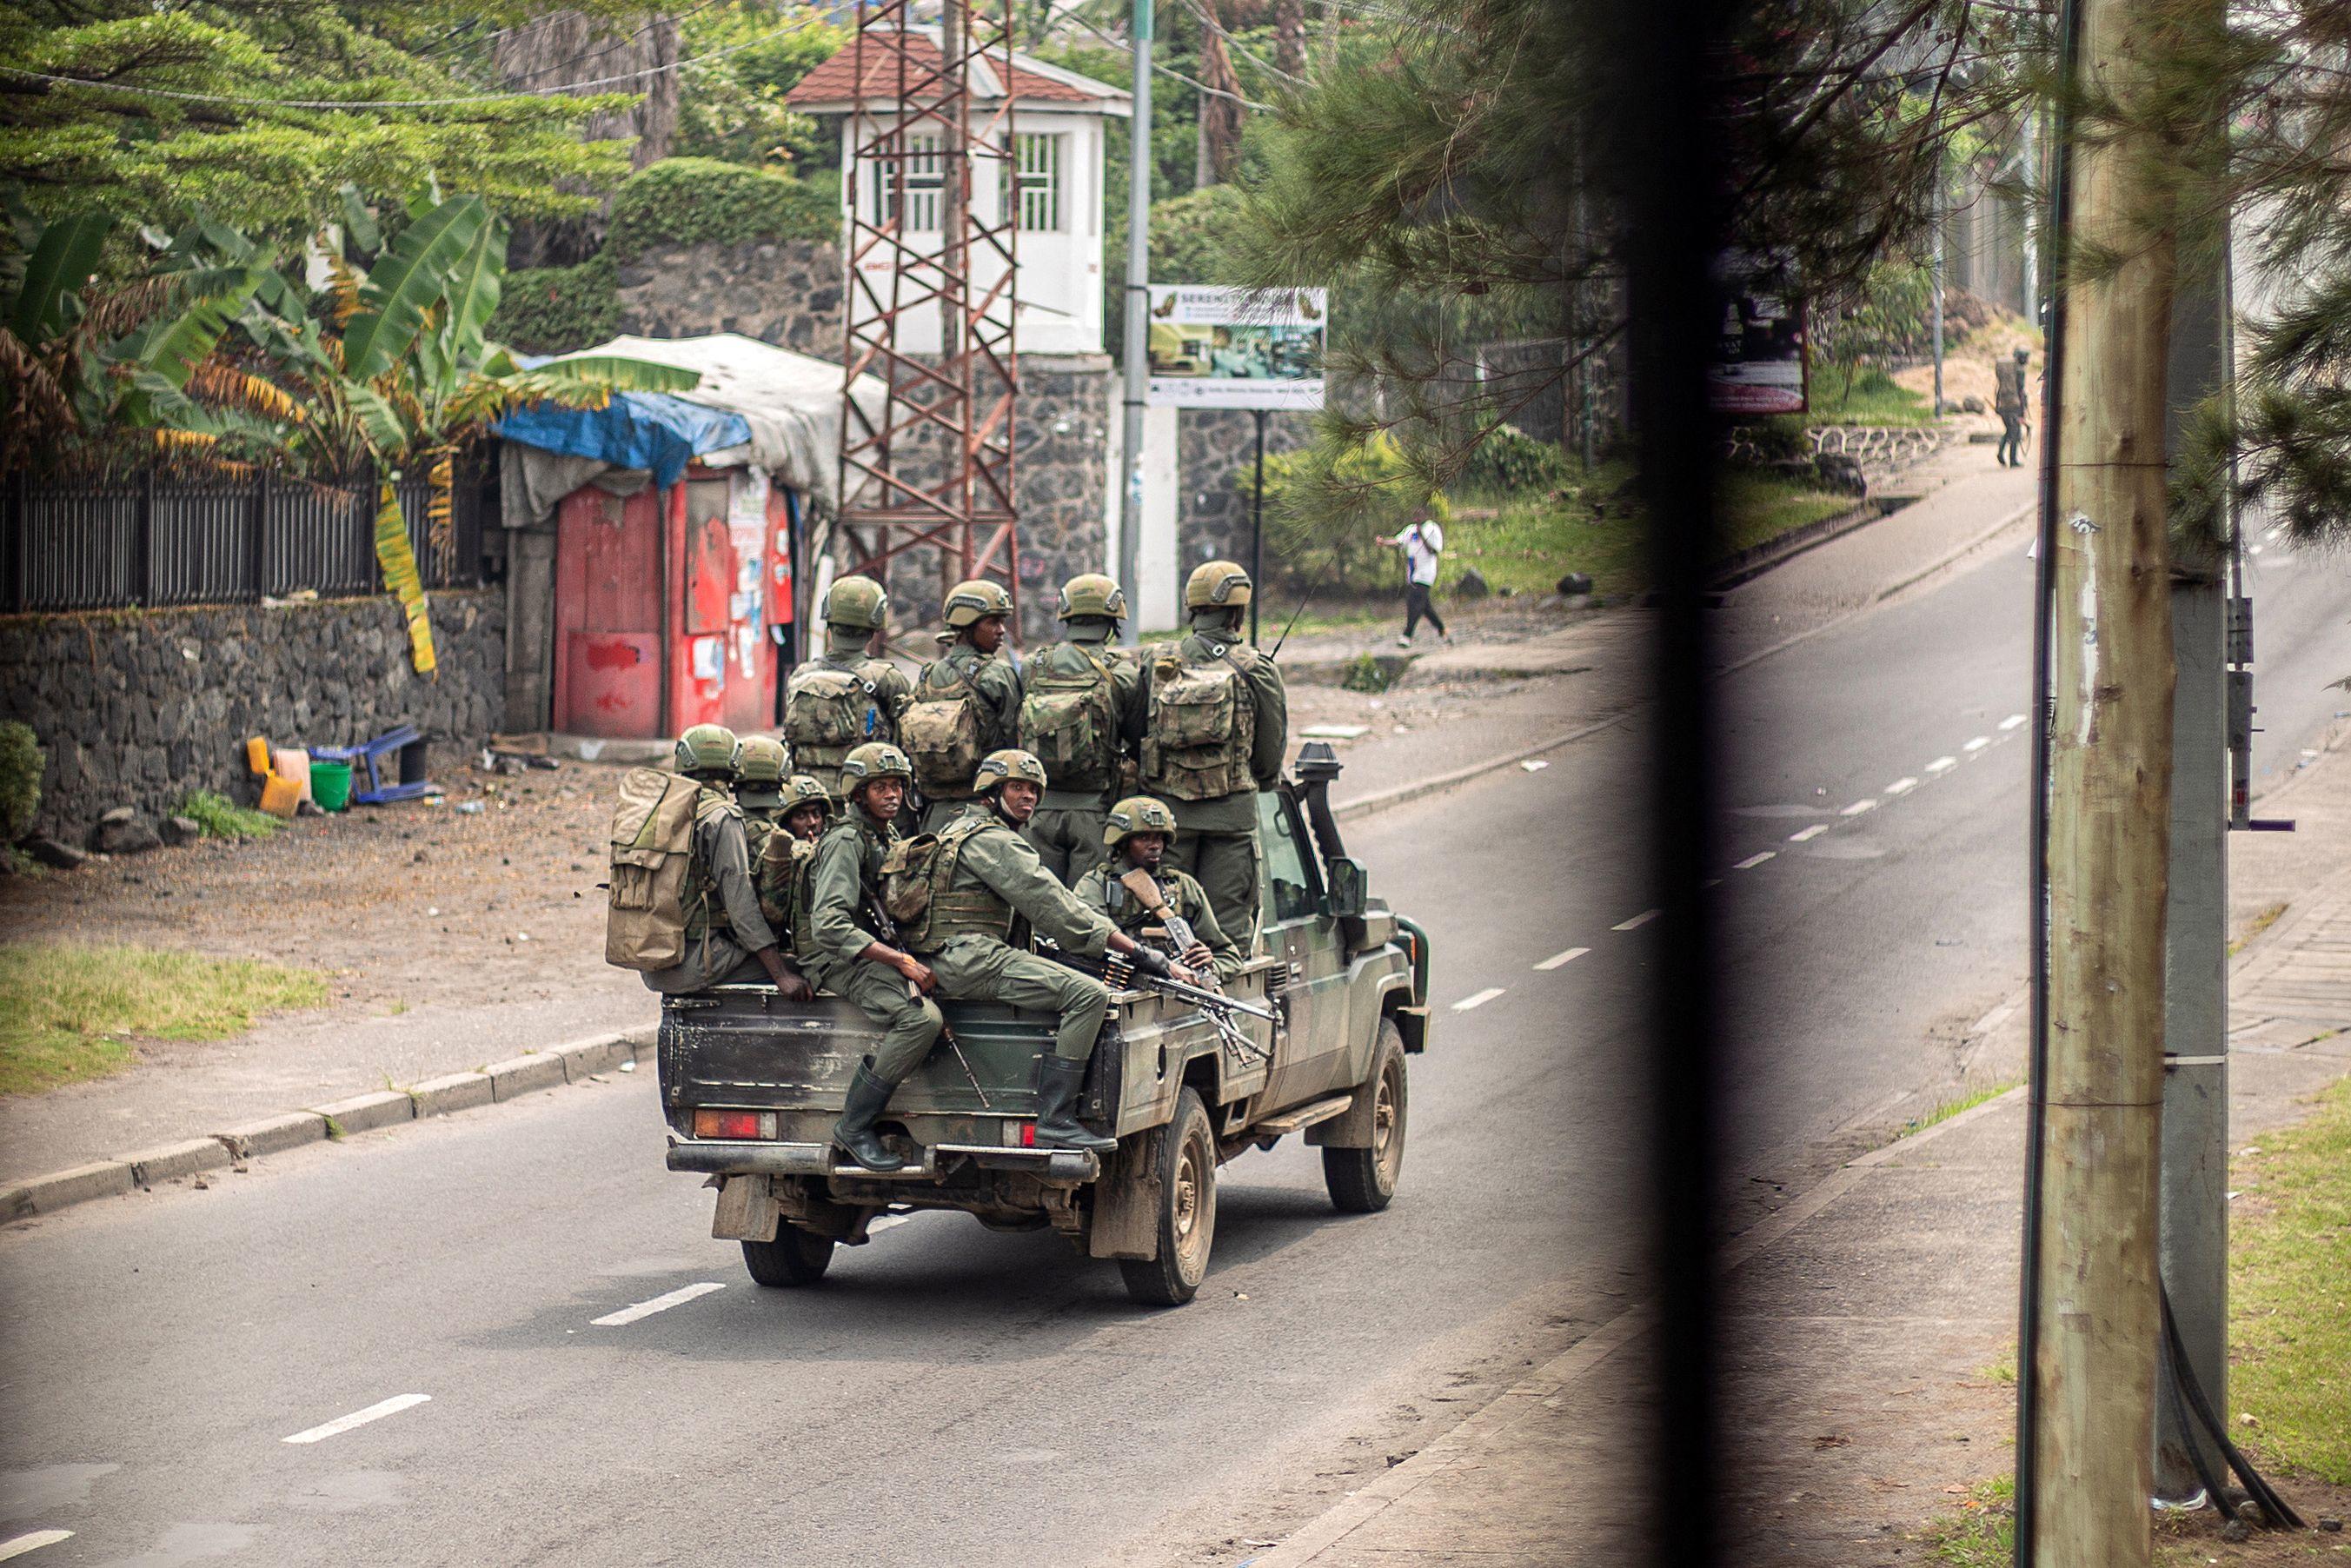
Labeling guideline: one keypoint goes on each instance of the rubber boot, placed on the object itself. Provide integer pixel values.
(1058, 1079)
(854, 1134)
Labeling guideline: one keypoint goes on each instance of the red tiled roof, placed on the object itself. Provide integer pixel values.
(834, 81)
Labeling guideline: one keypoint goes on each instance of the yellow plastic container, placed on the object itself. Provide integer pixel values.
(257, 756)
(280, 796)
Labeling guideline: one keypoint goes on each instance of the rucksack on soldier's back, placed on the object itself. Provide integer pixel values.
(940, 731)
(829, 709)
(1069, 719)
(653, 854)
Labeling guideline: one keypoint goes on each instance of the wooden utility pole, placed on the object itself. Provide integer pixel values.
(2094, 1366)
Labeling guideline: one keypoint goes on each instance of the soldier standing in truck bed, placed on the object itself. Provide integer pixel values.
(1079, 702)
(966, 702)
(844, 697)
(1215, 721)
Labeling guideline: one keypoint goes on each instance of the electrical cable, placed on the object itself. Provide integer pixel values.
(2184, 1378)
(2214, 1492)
(1124, 47)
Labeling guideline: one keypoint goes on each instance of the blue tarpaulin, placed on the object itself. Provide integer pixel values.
(635, 430)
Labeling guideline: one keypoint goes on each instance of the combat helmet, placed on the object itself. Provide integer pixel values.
(707, 748)
(874, 759)
(800, 789)
(858, 603)
(1091, 594)
(758, 770)
(1000, 768)
(1217, 585)
(969, 602)
(1136, 814)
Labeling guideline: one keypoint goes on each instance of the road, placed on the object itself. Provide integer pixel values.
(954, 1395)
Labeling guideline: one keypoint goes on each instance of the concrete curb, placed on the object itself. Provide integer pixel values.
(573, 1063)
(1381, 799)
(1746, 565)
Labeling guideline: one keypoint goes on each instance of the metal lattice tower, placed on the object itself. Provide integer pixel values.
(930, 127)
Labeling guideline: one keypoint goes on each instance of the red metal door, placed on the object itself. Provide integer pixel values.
(608, 621)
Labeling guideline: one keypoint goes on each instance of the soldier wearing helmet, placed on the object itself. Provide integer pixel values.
(842, 941)
(988, 895)
(1215, 722)
(1080, 701)
(788, 854)
(728, 940)
(844, 696)
(966, 702)
(758, 788)
(1136, 833)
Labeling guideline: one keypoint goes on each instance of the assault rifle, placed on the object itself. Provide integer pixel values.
(887, 929)
(1148, 894)
(1117, 970)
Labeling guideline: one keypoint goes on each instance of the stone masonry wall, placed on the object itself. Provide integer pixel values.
(1217, 452)
(139, 707)
(787, 293)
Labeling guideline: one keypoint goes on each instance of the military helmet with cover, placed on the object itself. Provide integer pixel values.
(707, 748)
(970, 603)
(759, 760)
(858, 603)
(1136, 814)
(1217, 585)
(1000, 768)
(800, 789)
(1091, 594)
(874, 759)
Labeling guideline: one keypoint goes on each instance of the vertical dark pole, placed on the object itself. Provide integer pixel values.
(20, 542)
(258, 557)
(1257, 529)
(143, 583)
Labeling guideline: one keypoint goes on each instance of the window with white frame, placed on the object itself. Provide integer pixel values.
(1039, 157)
(925, 176)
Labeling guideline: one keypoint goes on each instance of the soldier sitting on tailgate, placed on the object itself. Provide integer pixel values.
(1079, 702)
(788, 854)
(728, 940)
(983, 892)
(965, 704)
(1136, 834)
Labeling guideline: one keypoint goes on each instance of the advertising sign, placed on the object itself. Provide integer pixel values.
(1759, 358)
(1230, 348)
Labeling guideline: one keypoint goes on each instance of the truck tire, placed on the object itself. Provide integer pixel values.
(794, 1257)
(1187, 1210)
(1362, 1180)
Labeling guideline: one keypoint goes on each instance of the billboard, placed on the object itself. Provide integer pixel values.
(1235, 348)
(1758, 357)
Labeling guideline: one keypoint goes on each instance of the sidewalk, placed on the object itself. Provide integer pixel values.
(1871, 1321)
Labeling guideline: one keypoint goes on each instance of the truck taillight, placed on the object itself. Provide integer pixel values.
(1019, 1134)
(734, 1123)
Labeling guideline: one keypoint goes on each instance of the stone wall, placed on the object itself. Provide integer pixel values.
(1217, 452)
(786, 292)
(139, 707)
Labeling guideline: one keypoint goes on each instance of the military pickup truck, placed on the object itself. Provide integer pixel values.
(751, 1084)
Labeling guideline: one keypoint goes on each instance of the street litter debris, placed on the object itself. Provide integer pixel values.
(1335, 731)
(627, 1067)
(1535, 765)
(471, 807)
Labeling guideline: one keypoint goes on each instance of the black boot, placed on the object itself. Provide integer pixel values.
(853, 1133)
(1058, 1079)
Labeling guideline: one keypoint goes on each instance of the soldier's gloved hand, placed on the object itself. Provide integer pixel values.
(1152, 961)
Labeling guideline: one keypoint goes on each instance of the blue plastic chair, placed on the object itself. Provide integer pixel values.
(370, 756)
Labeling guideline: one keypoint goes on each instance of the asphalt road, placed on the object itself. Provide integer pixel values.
(954, 1395)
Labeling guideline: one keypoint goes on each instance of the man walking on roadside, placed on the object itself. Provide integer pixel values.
(1422, 541)
(2008, 401)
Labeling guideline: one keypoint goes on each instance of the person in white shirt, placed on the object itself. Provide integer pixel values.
(1422, 541)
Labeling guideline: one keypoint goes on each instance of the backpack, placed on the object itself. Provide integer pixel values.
(940, 731)
(1069, 719)
(1199, 728)
(652, 855)
(826, 709)
(782, 871)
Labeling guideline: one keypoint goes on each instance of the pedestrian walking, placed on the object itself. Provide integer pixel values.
(2008, 401)
(1423, 542)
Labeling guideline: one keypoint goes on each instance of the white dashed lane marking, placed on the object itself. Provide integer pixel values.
(1803, 834)
(1752, 862)
(1942, 763)
(1479, 1000)
(1637, 921)
(392, 1407)
(18, 1545)
(2011, 721)
(1977, 743)
(1556, 959)
(1902, 786)
(1858, 807)
(676, 1298)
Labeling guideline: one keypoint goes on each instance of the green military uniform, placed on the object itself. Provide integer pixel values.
(845, 873)
(989, 891)
(1217, 838)
(722, 923)
(996, 687)
(864, 694)
(1068, 825)
(1100, 889)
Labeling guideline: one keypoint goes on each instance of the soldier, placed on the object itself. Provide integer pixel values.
(759, 784)
(987, 893)
(845, 955)
(788, 854)
(728, 940)
(844, 697)
(965, 704)
(1215, 722)
(1136, 833)
(1079, 703)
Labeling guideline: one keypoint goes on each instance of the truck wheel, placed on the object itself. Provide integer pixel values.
(1187, 1210)
(794, 1257)
(1362, 1180)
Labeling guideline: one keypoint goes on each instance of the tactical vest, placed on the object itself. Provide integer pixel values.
(1126, 911)
(1199, 727)
(1069, 717)
(788, 889)
(950, 911)
(942, 733)
(706, 912)
(829, 711)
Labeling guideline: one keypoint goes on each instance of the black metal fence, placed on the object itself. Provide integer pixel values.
(159, 539)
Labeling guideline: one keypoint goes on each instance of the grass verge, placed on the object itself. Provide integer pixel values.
(69, 1012)
(2290, 1294)
(1982, 1533)
(1944, 1110)
(221, 818)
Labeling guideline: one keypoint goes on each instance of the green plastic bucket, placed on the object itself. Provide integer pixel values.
(330, 785)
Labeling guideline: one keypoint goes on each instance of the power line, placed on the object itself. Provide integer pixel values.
(1124, 47)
